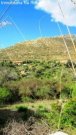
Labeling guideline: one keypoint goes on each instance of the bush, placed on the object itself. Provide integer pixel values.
(50, 115)
(41, 112)
(73, 90)
(13, 86)
(39, 73)
(43, 92)
(12, 75)
(74, 93)
(54, 90)
(5, 95)
(26, 112)
(26, 99)
(66, 92)
(69, 64)
(22, 109)
(7, 63)
(69, 114)
(28, 88)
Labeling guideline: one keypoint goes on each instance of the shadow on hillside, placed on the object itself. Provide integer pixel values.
(26, 115)
(7, 115)
(11, 120)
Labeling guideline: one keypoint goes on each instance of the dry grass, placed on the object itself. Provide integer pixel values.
(41, 49)
(15, 128)
(31, 105)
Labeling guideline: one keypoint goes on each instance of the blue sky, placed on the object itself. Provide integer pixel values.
(25, 22)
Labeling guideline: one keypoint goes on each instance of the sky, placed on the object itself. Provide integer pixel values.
(23, 20)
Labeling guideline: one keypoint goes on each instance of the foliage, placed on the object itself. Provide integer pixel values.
(69, 114)
(69, 64)
(22, 109)
(26, 99)
(37, 80)
(66, 92)
(5, 95)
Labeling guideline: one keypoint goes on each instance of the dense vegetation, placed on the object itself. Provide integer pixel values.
(33, 81)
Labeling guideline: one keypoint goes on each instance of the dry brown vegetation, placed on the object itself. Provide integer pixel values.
(41, 49)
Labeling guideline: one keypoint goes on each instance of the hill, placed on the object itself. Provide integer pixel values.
(40, 49)
(38, 97)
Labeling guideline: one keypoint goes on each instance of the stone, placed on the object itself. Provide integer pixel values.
(59, 133)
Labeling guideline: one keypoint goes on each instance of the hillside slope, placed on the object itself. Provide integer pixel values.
(40, 49)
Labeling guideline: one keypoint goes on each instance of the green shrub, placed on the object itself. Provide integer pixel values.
(39, 73)
(55, 107)
(73, 90)
(26, 112)
(22, 109)
(5, 95)
(69, 114)
(43, 92)
(28, 88)
(26, 99)
(12, 75)
(41, 112)
(16, 95)
(51, 116)
(54, 90)
(7, 63)
(13, 86)
(66, 92)
(74, 93)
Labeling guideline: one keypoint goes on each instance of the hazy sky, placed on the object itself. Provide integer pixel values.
(28, 21)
